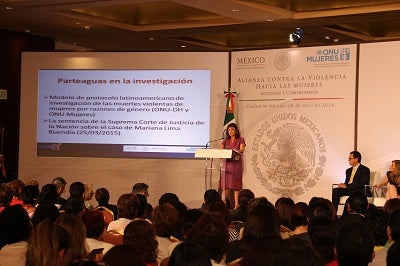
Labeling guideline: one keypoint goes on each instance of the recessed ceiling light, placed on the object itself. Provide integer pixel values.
(327, 38)
(78, 23)
(235, 10)
(269, 19)
(151, 39)
(27, 30)
(336, 40)
(183, 46)
(9, 8)
(86, 27)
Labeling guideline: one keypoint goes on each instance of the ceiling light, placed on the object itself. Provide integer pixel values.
(295, 37)
(235, 10)
(8, 8)
(86, 27)
(183, 46)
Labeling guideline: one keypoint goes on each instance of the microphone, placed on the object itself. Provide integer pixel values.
(207, 144)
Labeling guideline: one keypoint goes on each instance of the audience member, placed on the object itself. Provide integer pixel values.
(284, 208)
(122, 255)
(48, 245)
(262, 223)
(76, 189)
(299, 221)
(180, 207)
(44, 211)
(15, 229)
(29, 198)
(210, 195)
(74, 206)
(94, 223)
(48, 195)
(60, 184)
(322, 234)
(240, 214)
(212, 234)
(5, 197)
(5, 173)
(127, 207)
(143, 189)
(321, 209)
(357, 205)
(16, 187)
(297, 252)
(77, 233)
(165, 220)
(189, 253)
(354, 245)
(87, 196)
(393, 255)
(391, 206)
(140, 235)
(378, 220)
(102, 197)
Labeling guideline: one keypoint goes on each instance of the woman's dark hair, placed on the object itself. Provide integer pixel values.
(140, 235)
(30, 194)
(123, 255)
(127, 206)
(189, 253)
(48, 194)
(102, 196)
(237, 132)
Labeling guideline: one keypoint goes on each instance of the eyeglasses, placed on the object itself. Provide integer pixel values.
(351, 159)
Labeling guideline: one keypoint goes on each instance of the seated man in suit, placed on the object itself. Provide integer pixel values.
(357, 177)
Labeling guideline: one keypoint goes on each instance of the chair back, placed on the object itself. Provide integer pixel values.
(113, 237)
(107, 214)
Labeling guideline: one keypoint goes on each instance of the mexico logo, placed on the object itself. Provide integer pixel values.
(288, 154)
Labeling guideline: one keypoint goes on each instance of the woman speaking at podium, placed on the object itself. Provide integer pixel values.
(232, 179)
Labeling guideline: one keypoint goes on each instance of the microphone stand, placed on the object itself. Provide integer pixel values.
(214, 140)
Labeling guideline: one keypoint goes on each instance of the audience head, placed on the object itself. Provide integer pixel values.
(190, 218)
(15, 225)
(141, 236)
(321, 209)
(43, 211)
(212, 234)
(74, 205)
(189, 253)
(141, 188)
(94, 222)
(88, 194)
(211, 195)
(391, 205)
(394, 226)
(30, 195)
(77, 233)
(5, 196)
(127, 206)
(322, 235)
(378, 220)
(262, 222)
(357, 203)
(102, 196)
(60, 184)
(354, 245)
(245, 195)
(165, 219)
(299, 216)
(284, 208)
(142, 205)
(48, 194)
(48, 245)
(218, 209)
(122, 255)
(256, 202)
(16, 187)
(76, 189)
(297, 252)
(393, 254)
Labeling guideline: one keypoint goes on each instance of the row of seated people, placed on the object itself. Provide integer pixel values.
(256, 233)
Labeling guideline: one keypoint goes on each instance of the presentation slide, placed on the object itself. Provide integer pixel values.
(123, 113)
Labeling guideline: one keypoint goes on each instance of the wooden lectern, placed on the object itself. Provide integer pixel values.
(209, 155)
